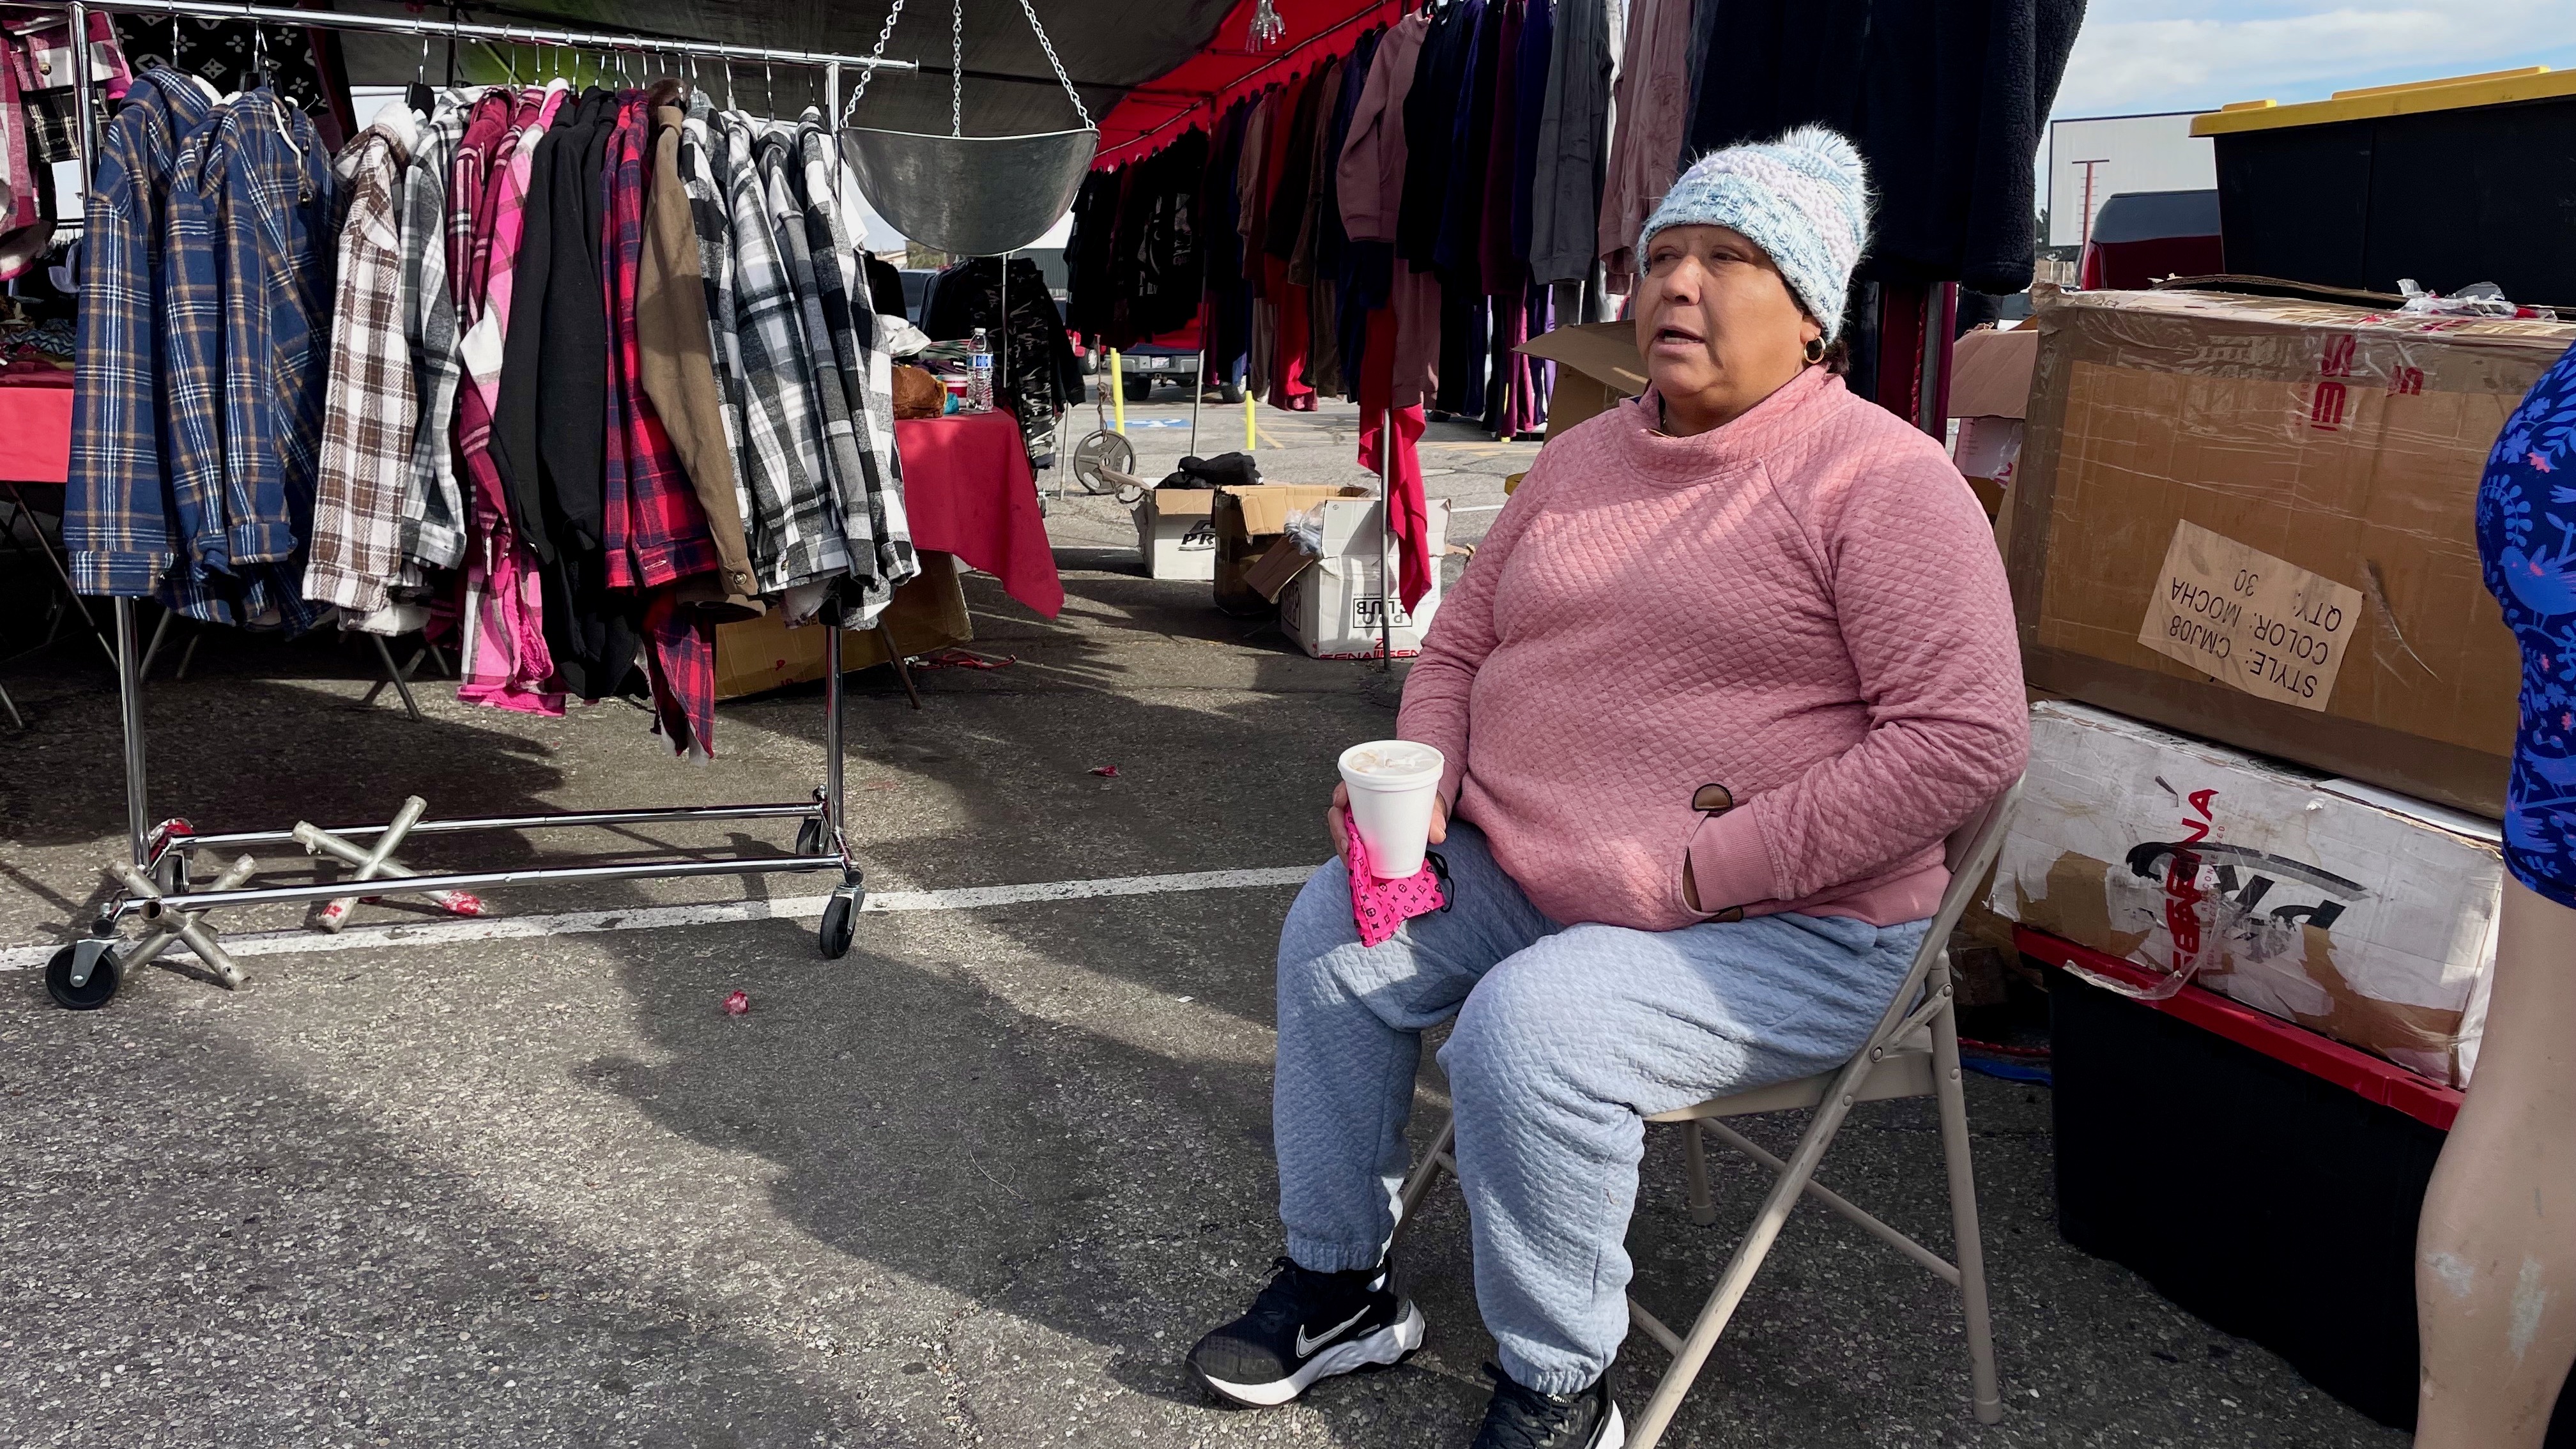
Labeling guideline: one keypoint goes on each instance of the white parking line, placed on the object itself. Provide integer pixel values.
(650, 918)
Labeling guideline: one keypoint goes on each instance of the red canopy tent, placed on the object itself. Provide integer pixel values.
(1150, 115)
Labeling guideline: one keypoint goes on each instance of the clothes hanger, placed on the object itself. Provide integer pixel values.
(258, 51)
(417, 94)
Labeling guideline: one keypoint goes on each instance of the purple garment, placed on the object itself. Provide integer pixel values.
(1538, 33)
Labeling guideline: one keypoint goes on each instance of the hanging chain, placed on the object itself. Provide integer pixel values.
(1079, 109)
(868, 73)
(957, 68)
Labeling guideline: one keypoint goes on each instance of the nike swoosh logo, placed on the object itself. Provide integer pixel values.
(1307, 1345)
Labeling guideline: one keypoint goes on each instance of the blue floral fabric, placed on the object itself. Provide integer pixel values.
(2527, 539)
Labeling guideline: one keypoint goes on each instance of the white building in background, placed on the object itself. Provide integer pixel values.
(2093, 158)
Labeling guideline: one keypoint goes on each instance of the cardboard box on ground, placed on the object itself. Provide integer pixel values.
(927, 614)
(1329, 602)
(1176, 533)
(2355, 912)
(2284, 493)
(1250, 519)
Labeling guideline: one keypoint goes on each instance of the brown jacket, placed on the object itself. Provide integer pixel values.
(678, 370)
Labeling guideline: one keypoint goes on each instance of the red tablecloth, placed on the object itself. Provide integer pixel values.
(36, 434)
(969, 491)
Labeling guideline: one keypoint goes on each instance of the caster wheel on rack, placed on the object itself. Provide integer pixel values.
(840, 921)
(92, 993)
(170, 873)
(809, 837)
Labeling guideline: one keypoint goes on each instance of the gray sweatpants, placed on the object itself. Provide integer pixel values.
(1567, 1038)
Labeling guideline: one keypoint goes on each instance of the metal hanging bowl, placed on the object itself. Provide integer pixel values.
(972, 196)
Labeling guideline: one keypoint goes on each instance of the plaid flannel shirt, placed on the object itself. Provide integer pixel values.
(846, 495)
(192, 378)
(796, 528)
(244, 282)
(369, 403)
(277, 317)
(666, 527)
(433, 513)
(117, 524)
(498, 224)
(866, 371)
(616, 545)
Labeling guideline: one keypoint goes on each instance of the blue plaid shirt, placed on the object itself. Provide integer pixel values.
(204, 329)
(118, 524)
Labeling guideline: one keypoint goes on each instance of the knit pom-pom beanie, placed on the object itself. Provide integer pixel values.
(1803, 198)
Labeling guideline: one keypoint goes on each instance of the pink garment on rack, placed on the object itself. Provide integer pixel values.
(511, 666)
(19, 209)
(44, 57)
(1409, 512)
(617, 545)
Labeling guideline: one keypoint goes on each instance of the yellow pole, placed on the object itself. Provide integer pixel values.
(1117, 390)
(1250, 436)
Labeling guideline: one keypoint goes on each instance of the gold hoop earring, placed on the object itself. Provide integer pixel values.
(1815, 350)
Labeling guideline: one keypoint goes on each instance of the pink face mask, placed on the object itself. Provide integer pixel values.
(1379, 906)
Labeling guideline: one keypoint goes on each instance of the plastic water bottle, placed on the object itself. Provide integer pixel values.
(979, 375)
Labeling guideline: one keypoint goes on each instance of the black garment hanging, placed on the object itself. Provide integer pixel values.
(1948, 104)
(885, 289)
(591, 629)
(1043, 378)
(515, 453)
(1430, 123)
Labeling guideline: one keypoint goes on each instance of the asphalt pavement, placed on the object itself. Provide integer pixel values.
(978, 1183)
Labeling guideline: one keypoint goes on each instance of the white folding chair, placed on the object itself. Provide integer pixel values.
(1912, 1053)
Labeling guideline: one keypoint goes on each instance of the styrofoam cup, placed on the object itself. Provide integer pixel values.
(1392, 785)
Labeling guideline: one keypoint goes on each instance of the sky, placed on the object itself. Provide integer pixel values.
(2137, 56)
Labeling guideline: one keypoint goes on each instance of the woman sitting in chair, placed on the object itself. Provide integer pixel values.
(1732, 662)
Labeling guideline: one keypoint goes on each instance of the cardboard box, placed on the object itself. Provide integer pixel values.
(1329, 606)
(2355, 912)
(1247, 521)
(1990, 372)
(757, 655)
(2305, 437)
(1176, 533)
(1597, 366)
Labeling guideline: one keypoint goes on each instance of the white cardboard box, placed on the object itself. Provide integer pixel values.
(2363, 915)
(1176, 533)
(1331, 609)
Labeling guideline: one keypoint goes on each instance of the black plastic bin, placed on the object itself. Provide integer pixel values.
(2275, 1205)
(2447, 182)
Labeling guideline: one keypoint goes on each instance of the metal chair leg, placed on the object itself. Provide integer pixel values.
(62, 574)
(17, 721)
(1749, 1257)
(902, 671)
(1703, 1207)
(1418, 1185)
(1950, 1091)
(395, 673)
(152, 650)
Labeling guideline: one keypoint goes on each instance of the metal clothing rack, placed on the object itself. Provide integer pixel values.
(153, 884)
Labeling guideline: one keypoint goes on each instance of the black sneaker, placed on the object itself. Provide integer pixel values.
(1306, 1326)
(1520, 1418)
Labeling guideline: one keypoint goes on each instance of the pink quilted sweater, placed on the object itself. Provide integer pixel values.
(1804, 606)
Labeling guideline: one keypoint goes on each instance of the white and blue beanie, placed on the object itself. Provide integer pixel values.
(1803, 198)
